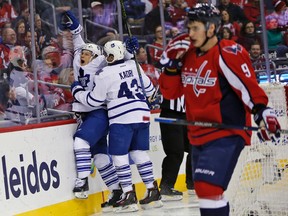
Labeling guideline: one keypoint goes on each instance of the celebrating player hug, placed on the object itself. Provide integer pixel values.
(118, 86)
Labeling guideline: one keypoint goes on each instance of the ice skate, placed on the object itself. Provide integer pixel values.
(152, 198)
(113, 198)
(170, 194)
(190, 189)
(127, 202)
(81, 188)
(191, 192)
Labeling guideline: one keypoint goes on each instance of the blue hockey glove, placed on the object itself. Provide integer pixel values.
(132, 44)
(270, 128)
(76, 87)
(71, 22)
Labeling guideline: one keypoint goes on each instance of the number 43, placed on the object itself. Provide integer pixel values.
(125, 91)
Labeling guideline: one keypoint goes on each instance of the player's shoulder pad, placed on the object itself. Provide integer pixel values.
(230, 47)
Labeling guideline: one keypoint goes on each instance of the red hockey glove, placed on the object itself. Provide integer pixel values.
(175, 50)
(270, 127)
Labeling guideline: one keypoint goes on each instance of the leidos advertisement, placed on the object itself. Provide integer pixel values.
(36, 168)
(29, 177)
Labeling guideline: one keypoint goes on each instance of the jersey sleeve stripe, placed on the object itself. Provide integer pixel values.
(92, 101)
(123, 104)
(128, 111)
(236, 82)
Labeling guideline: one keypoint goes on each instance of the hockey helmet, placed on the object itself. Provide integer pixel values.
(93, 48)
(115, 48)
(205, 13)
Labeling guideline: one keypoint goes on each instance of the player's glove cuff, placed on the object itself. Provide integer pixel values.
(266, 119)
(75, 88)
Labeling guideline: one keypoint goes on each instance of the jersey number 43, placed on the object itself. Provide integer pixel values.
(131, 91)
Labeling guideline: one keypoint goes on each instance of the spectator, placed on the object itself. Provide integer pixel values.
(43, 33)
(135, 11)
(225, 33)
(66, 77)
(148, 6)
(252, 11)
(28, 47)
(281, 13)
(102, 14)
(9, 40)
(226, 21)
(234, 10)
(59, 6)
(5, 96)
(178, 13)
(174, 31)
(7, 13)
(22, 106)
(149, 69)
(256, 55)
(248, 35)
(152, 19)
(275, 37)
(20, 30)
(24, 15)
(155, 53)
(19, 75)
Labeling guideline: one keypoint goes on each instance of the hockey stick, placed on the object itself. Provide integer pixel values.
(124, 16)
(204, 124)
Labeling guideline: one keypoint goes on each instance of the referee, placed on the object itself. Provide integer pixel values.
(175, 142)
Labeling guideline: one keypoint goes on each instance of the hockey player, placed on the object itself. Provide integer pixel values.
(219, 85)
(93, 130)
(118, 85)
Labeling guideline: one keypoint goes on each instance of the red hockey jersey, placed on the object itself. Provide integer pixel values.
(219, 86)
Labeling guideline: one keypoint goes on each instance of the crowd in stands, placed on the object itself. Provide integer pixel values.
(54, 49)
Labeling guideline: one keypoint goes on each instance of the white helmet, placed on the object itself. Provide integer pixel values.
(115, 48)
(93, 48)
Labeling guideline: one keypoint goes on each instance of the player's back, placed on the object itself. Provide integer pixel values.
(126, 102)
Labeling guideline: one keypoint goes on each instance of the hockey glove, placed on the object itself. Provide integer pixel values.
(153, 102)
(132, 44)
(76, 87)
(175, 50)
(71, 22)
(270, 128)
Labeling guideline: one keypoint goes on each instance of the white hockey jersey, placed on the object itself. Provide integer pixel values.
(119, 87)
(85, 74)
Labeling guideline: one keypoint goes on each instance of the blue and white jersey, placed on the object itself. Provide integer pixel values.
(85, 74)
(119, 87)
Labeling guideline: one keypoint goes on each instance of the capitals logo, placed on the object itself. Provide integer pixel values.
(201, 79)
(234, 49)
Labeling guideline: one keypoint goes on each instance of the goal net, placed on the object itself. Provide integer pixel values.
(259, 185)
